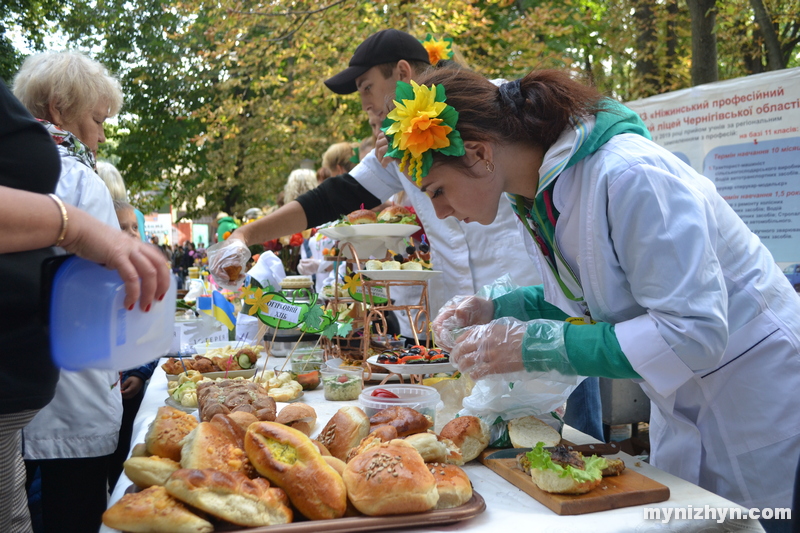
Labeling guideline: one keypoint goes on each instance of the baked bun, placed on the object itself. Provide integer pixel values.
(390, 479)
(322, 449)
(429, 447)
(231, 496)
(405, 420)
(385, 432)
(299, 416)
(224, 396)
(336, 464)
(454, 456)
(140, 450)
(290, 460)
(345, 430)
(452, 484)
(208, 446)
(469, 433)
(153, 510)
(243, 418)
(230, 428)
(148, 471)
(167, 431)
(393, 214)
(550, 481)
(527, 431)
(362, 216)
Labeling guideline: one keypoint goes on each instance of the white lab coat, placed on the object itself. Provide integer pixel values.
(83, 419)
(469, 255)
(701, 311)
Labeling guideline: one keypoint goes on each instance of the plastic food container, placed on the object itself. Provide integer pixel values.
(307, 359)
(342, 384)
(91, 328)
(421, 398)
(309, 379)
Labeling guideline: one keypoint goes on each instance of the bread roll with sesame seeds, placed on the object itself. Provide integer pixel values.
(390, 479)
(344, 431)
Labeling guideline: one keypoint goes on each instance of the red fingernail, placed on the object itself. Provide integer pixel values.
(162, 297)
(146, 309)
(130, 307)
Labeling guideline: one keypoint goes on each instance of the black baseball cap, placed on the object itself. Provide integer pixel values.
(386, 46)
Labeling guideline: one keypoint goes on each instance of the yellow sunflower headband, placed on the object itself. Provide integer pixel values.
(438, 49)
(421, 123)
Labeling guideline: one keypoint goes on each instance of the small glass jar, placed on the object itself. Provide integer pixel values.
(342, 384)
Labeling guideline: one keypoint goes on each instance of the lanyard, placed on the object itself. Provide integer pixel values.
(545, 242)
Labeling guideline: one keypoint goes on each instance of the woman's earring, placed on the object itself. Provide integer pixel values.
(489, 166)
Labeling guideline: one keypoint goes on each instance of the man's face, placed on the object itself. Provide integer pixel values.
(377, 92)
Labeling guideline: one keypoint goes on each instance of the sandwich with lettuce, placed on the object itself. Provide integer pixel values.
(561, 471)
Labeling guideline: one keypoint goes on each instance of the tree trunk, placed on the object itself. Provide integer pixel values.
(646, 42)
(704, 41)
(774, 55)
(672, 35)
(752, 55)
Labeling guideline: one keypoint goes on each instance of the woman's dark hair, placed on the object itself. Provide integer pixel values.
(547, 103)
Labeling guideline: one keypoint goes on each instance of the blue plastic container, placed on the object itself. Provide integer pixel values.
(91, 328)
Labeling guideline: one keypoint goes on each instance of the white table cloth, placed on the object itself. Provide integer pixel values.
(508, 509)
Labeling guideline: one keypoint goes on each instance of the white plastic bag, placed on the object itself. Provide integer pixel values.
(498, 398)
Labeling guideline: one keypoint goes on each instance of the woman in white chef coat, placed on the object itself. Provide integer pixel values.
(682, 295)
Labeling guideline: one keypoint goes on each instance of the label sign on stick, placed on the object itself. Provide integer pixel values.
(284, 311)
(378, 294)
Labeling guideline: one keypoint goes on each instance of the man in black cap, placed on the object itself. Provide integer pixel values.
(470, 256)
(378, 63)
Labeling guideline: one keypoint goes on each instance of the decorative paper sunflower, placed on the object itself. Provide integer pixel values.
(438, 49)
(421, 123)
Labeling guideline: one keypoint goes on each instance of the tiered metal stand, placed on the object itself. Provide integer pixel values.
(356, 346)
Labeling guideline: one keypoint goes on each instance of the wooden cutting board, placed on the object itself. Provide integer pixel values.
(628, 489)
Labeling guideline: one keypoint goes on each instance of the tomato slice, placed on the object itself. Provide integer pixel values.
(383, 393)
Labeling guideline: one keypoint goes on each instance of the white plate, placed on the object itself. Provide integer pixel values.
(369, 230)
(172, 403)
(376, 376)
(203, 347)
(426, 368)
(249, 373)
(400, 275)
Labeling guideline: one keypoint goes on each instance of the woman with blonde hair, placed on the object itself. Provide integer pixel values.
(300, 180)
(338, 158)
(70, 441)
(116, 186)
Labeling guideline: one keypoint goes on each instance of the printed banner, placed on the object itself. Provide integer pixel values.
(744, 135)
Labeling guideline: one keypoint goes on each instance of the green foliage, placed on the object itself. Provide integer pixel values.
(224, 98)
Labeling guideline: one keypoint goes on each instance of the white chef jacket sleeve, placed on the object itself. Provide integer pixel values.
(380, 182)
(664, 233)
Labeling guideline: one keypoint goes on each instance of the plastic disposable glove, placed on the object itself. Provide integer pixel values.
(508, 345)
(458, 313)
(307, 267)
(223, 258)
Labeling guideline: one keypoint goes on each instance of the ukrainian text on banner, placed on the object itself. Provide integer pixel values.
(744, 134)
